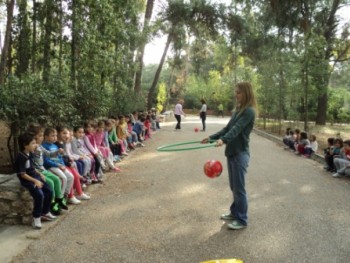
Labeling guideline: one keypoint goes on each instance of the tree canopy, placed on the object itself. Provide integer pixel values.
(66, 61)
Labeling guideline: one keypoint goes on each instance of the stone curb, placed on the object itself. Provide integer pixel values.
(315, 156)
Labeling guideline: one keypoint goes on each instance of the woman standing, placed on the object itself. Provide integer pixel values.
(203, 113)
(178, 112)
(236, 137)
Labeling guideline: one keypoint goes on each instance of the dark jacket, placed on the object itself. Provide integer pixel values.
(236, 133)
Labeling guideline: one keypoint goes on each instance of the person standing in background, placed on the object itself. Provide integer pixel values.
(203, 113)
(178, 112)
(221, 110)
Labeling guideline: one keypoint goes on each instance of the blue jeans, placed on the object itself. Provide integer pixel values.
(41, 197)
(237, 168)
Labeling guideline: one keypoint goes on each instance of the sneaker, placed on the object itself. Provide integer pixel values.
(227, 217)
(74, 201)
(235, 225)
(125, 154)
(336, 175)
(116, 169)
(83, 186)
(83, 196)
(48, 217)
(36, 223)
(55, 209)
(62, 203)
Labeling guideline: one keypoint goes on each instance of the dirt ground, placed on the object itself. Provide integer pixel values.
(162, 209)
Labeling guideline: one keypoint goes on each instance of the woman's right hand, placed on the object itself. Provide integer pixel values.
(205, 140)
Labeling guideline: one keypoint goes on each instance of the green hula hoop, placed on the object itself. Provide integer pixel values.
(173, 147)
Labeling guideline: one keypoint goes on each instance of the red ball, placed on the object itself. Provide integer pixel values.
(212, 168)
(196, 129)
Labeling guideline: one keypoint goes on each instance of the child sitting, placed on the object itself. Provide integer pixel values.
(342, 162)
(303, 143)
(33, 181)
(62, 138)
(326, 151)
(57, 166)
(114, 143)
(334, 151)
(122, 133)
(99, 137)
(79, 148)
(139, 129)
(90, 144)
(147, 124)
(312, 147)
(296, 139)
(58, 201)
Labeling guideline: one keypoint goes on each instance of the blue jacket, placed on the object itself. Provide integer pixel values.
(52, 161)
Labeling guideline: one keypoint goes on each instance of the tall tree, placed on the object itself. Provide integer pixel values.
(183, 19)
(49, 11)
(143, 41)
(23, 42)
(6, 48)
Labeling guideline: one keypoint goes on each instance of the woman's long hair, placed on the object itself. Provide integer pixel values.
(248, 97)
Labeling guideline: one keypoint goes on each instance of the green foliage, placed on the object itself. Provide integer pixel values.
(338, 109)
(29, 99)
(161, 97)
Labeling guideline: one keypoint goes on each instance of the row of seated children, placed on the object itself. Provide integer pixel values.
(337, 157)
(300, 143)
(56, 164)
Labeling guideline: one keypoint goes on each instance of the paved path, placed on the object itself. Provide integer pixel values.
(162, 208)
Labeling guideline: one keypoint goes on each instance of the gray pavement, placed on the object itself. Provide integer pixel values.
(162, 208)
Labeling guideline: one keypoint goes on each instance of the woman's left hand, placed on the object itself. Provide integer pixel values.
(219, 143)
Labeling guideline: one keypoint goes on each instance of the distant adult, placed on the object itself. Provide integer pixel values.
(203, 113)
(221, 110)
(178, 112)
(236, 137)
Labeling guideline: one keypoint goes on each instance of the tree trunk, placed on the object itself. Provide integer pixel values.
(60, 55)
(33, 62)
(157, 75)
(322, 103)
(74, 45)
(329, 32)
(47, 41)
(23, 52)
(10, 7)
(141, 50)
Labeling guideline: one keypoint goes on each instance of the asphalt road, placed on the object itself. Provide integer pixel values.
(162, 208)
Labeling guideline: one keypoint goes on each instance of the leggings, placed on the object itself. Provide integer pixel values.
(54, 183)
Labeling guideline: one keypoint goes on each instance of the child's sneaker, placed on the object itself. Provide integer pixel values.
(55, 209)
(116, 169)
(117, 158)
(48, 217)
(74, 201)
(62, 203)
(36, 223)
(83, 196)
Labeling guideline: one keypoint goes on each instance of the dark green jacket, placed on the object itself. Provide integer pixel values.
(236, 133)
